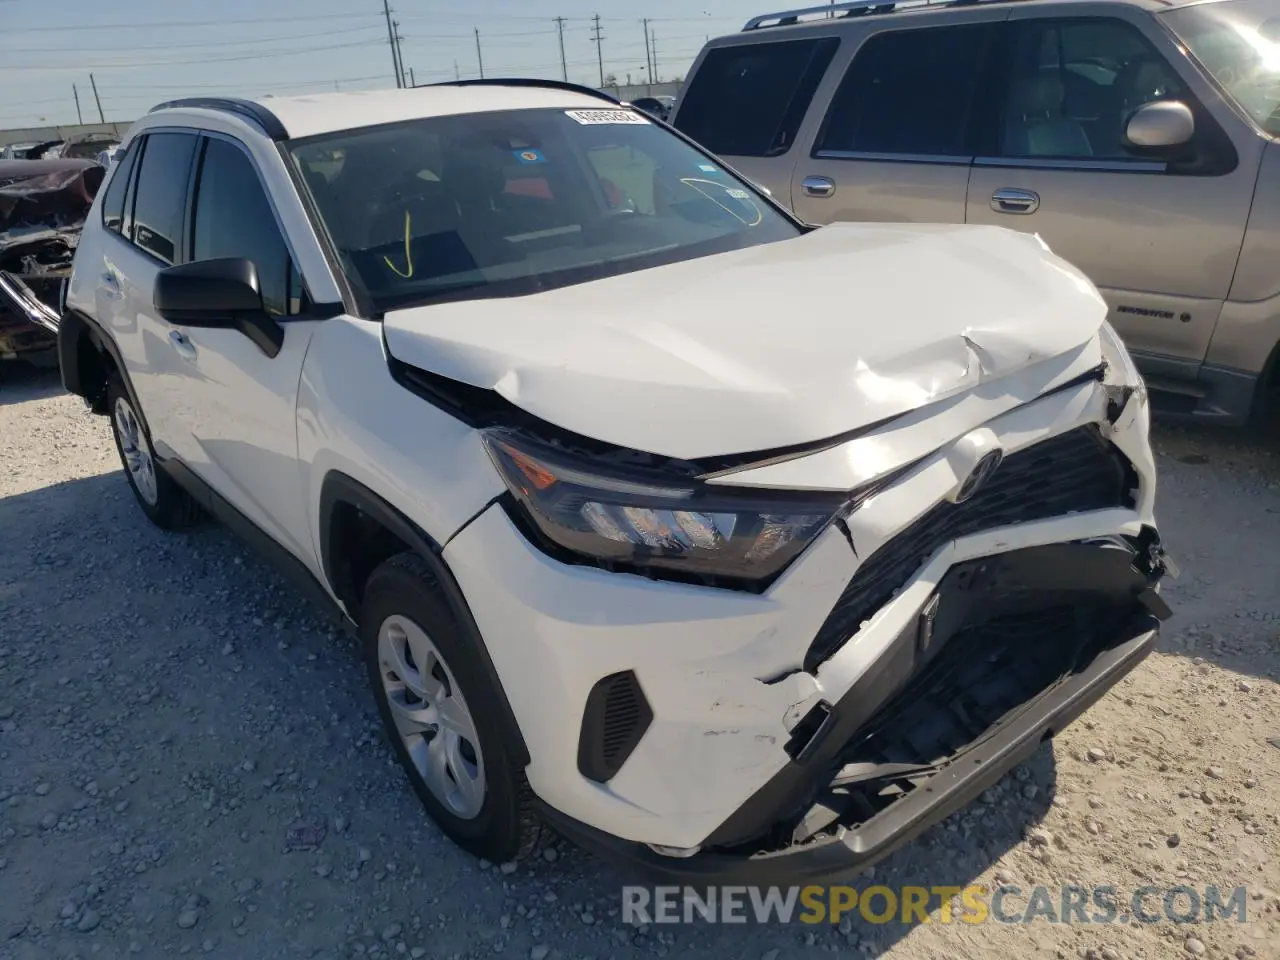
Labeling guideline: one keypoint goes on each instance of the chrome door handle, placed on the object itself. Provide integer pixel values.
(182, 343)
(818, 186)
(1012, 200)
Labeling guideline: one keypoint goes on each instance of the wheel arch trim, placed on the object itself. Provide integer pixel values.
(339, 489)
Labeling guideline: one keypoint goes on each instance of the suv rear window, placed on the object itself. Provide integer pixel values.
(748, 100)
(908, 92)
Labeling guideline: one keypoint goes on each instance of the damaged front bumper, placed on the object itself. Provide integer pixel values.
(1008, 652)
(753, 733)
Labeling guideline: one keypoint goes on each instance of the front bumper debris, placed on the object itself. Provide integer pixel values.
(1009, 650)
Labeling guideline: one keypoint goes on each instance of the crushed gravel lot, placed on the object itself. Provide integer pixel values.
(191, 764)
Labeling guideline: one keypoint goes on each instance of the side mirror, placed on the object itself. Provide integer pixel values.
(1161, 124)
(219, 294)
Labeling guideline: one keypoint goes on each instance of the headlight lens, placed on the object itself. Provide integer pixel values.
(683, 529)
(1115, 353)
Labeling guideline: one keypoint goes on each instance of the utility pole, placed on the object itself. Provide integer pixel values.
(457, 74)
(97, 99)
(391, 39)
(564, 67)
(597, 36)
(479, 55)
(76, 94)
(399, 52)
(653, 53)
(412, 82)
(648, 61)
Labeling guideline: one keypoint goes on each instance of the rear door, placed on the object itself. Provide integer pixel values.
(1159, 235)
(147, 239)
(747, 101)
(895, 143)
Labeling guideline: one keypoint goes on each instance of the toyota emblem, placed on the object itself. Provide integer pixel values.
(981, 473)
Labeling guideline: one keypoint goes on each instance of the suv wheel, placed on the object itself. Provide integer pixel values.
(438, 710)
(165, 503)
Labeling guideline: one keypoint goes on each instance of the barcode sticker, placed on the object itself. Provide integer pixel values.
(605, 116)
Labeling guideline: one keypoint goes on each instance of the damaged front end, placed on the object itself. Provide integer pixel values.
(43, 205)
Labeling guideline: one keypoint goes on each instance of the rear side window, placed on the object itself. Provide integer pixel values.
(748, 100)
(114, 199)
(909, 92)
(162, 194)
(233, 218)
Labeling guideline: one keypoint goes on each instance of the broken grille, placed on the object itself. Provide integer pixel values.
(984, 673)
(1075, 471)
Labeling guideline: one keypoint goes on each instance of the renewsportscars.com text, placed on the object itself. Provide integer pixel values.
(938, 904)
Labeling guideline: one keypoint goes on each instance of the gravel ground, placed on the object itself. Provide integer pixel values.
(190, 762)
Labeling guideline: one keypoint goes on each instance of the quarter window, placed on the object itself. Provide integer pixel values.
(113, 202)
(233, 218)
(748, 100)
(162, 193)
(909, 92)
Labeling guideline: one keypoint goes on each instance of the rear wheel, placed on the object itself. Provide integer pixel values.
(165, 503)
(438, 708)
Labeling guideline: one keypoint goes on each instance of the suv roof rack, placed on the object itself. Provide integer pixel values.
(850, 8)
(527, 82)
(247, 109)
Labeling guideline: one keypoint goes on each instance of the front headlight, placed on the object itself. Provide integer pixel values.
(1116, 354)
(626, 519)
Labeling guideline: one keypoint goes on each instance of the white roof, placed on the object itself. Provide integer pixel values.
(328, 112)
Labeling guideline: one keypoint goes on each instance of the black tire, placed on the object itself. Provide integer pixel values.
(506, 828)
(173, 508)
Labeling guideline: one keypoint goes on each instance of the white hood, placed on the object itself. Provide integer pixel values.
(776, 345)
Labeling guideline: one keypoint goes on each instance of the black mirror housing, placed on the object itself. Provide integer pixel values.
(208, 293)
(222, 293)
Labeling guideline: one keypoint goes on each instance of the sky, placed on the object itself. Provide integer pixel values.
(142, 52)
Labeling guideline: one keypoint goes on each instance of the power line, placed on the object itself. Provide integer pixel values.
(179, 46)
(112, 65)
(183, 23)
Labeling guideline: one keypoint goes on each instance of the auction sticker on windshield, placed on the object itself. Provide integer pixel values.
(605, 116)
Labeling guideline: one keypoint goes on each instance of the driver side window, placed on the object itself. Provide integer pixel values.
(1074, 84)
(233, 218)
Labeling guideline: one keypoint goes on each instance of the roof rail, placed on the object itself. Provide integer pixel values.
(848, 8)
(526, 82)
(247, 109)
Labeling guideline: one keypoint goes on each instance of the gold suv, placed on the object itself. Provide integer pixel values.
(1136, 137)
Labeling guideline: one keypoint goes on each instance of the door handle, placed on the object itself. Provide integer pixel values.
(182, 343)
(1012, 200)
(818, 186)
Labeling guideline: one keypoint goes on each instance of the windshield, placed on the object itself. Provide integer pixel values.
(513, 202)
(1238, 42)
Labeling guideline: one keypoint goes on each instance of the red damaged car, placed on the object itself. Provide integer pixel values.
(43, 204)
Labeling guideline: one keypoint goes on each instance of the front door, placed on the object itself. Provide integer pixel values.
(237, 404)
(1158, 235)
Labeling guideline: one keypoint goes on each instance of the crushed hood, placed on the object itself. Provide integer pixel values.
(771, 346)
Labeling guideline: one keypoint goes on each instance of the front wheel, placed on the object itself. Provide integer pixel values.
(438, 708)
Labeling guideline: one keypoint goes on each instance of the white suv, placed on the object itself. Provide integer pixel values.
(727, 544)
